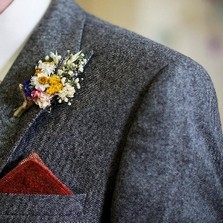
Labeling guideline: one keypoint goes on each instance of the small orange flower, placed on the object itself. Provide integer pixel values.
(43, 80)
(38, 71)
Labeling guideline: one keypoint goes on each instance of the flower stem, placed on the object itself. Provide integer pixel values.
(25, 105)
(21, 109)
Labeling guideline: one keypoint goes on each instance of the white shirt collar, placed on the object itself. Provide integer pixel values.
(16, 24)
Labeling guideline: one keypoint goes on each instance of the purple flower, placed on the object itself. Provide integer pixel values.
(27, 88)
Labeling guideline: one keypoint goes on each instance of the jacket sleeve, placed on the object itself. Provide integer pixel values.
(171, 167)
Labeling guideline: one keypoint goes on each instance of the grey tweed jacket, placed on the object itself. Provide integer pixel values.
(141, 142)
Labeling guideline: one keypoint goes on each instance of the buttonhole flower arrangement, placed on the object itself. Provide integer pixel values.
(56, 78)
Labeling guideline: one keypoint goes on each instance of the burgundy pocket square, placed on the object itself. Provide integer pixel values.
(32, 176)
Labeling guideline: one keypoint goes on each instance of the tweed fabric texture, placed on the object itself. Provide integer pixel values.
(141, 142)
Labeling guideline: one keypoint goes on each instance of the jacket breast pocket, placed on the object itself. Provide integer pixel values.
(41, 208)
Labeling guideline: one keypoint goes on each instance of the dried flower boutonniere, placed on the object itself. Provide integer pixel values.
(54, 78)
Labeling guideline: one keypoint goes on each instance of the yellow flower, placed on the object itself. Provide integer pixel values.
(54, 80)
(43, 80)
(58, 87)
(50, 90)
(54, 88)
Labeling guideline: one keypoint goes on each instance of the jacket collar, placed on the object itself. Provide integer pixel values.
(60, 29)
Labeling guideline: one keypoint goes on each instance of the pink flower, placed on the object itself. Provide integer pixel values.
(36, 94)
(40, 98)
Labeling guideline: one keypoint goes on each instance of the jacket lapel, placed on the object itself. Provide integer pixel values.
(59, 30)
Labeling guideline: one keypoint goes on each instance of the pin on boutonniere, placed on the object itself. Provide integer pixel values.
(56, 78)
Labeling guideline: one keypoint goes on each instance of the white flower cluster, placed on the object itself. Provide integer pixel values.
(73, 64)
(46, 68)
(69, 70)
(56, 77)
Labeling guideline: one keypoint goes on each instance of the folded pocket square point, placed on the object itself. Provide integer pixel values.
(32, 176)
